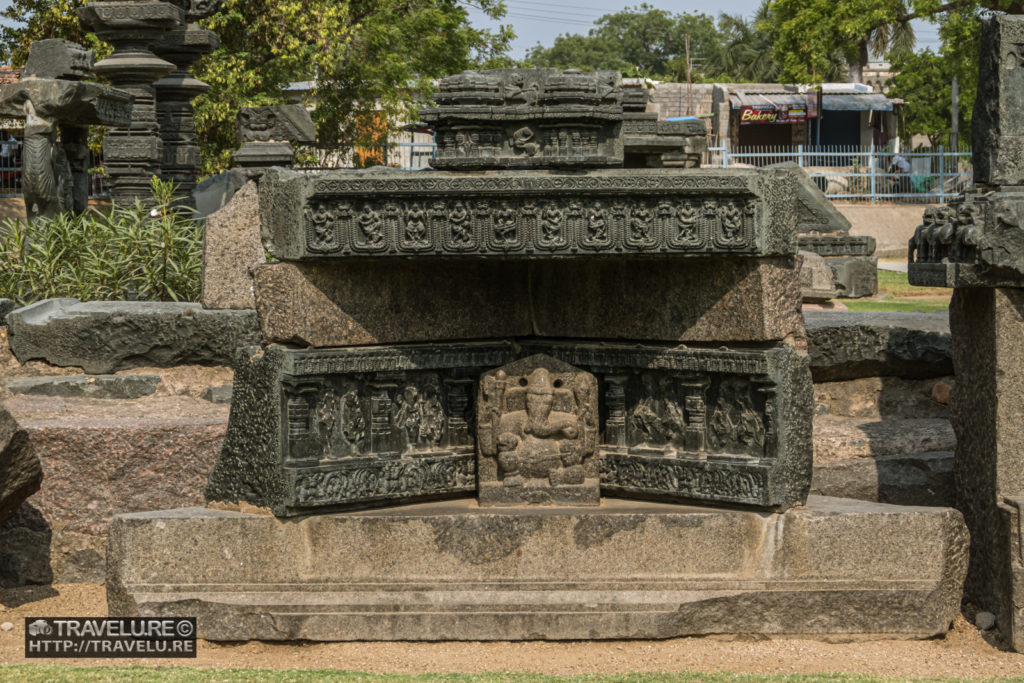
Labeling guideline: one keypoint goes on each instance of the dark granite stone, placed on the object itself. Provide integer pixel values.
(451, 571)
(105, 336)
(997, 126)
(57, 58)
(853, 345)
(854, 277)
(646, 213)
(220, 394)
(316, 430)
(92, 386)
(20, 471)
(6, 306)
(815, 213)
(276, 123)
(650, 143)
(527, 118)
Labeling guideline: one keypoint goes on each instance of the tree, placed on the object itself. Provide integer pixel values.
(744, 52)
(808, 31)
(369, 61)
(639, 41)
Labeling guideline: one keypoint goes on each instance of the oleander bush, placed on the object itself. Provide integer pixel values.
(137, 252)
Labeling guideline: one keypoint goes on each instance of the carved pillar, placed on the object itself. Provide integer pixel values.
(615, 399)
(266, 134)
(458, 403)
(132, 154)
(380, 414)
(696, 412)
(175, 92)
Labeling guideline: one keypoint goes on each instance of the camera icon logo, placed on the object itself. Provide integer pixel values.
(40, 627)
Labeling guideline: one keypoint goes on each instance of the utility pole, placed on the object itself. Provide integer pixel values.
(956, 114)
(689, 79)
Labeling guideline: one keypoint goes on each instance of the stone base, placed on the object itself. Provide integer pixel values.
(539, 492)
(452, 571)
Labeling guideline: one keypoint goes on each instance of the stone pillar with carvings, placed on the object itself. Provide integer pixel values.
(174, 93)
(132, 154)
(976, 244)
(267, 134)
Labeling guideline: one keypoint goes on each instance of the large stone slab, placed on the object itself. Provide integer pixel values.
(20, 471)
(853, 345)
(910, 479)
(453, 571)
(321, 429)
(231, 251)
(105, 336)
(363, 303)
(96, 386)
(997, 126)
(82, 103)
(533, 215)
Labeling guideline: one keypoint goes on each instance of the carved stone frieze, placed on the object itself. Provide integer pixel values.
(314, 430)
(527, 118)
(526, 214)
(837, 245)
(537, 430)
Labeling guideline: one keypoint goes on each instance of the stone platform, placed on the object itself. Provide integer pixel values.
(453, 571)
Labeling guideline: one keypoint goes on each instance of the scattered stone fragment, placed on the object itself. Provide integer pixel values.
(941, 391)
(221, 394)
(98, 386)
(6, 306)
(6, 626)
(854, 344)
(20, 470)
(105, 336)
(985, 620)
(815, 279)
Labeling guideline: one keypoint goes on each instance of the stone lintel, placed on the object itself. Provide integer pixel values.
(67, 101)
(453, 571)
(528, 214)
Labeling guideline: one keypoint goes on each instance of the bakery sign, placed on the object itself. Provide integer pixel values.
(774, 113)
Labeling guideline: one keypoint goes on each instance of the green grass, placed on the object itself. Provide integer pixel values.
(31, 673)
(896, 284)
(891, 304)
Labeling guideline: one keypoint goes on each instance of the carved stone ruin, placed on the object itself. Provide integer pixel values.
(651, 143)
(183, 46)
(267, 133)
(589, 354)
(133, 153)
(58, 107)
(976, 244)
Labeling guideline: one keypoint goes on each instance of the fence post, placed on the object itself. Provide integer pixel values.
(725, 154)
(871, 165)
(800, 156)
(942, 180)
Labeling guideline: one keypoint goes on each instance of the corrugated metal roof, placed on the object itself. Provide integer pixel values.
(856, 102)
(746, 99)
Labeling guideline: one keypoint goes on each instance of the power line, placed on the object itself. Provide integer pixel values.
(557, 5)
(540, 18)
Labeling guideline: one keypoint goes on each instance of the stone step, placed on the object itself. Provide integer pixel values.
(846, 438)
(93, 386)
(911, 479)
(884, 397)
(628, 569)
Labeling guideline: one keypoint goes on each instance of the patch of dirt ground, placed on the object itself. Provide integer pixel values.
(963, 652)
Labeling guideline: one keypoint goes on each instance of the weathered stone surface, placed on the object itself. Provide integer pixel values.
(527, 118)
(363, 303)
(837, 245)
(651, 143)
(34, 551)
(104, 336)
(214, 193)
(815, 278)
(6, 306)
(93, 386)
(914, 479)
(231, 250)
(535, 215)
(221, 394)
(71, 101)
(997, 127)
(987, 408)
(638, 570)
(855, 277)
(277, 122)
(852, 345)
(20, 471)
(881, 397)
(57, 58)
(844, 438)
(536, 428)
(815, 213)
(318, 429)
(713, 300)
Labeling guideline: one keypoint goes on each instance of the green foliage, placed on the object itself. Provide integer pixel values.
(130, 252)
(370, 59)
(925, 82)
(649, 42)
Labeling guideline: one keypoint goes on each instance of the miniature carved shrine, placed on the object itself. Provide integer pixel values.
(976, 245)
(536, 395)
(58, 107)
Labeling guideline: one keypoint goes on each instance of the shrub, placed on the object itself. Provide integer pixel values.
(150, 253)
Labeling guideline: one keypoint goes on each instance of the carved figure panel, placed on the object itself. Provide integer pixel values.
(537, 426)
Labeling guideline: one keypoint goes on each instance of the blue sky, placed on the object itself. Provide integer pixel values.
(543, 20)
